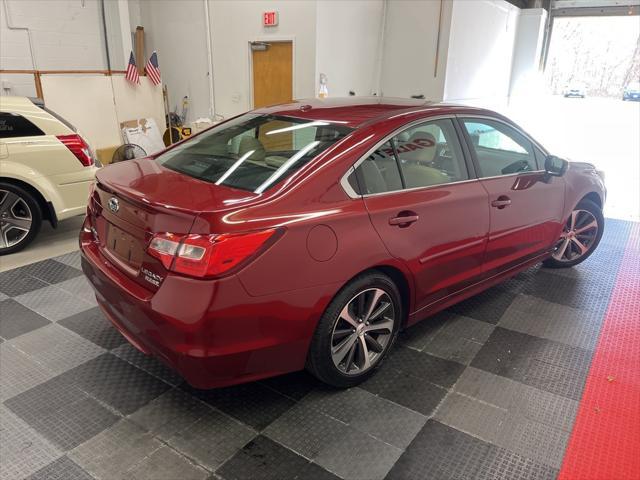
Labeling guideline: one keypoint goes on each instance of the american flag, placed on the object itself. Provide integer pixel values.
(153, 71)
(132, 71)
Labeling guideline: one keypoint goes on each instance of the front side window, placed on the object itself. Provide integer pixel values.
(13, 125)
(500, 149)
(430, 154)
(253, 152)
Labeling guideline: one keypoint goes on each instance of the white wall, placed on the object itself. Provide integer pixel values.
(235, 23)
(410, 41)
(481, 44)
(347, 45)
(526, 76)
(176, 30)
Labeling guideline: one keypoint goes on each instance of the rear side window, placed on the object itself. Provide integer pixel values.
(253, 152)
(379, 172)
(14, 125)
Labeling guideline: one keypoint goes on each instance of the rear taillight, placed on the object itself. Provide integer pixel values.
(76, 144)
(207, 255)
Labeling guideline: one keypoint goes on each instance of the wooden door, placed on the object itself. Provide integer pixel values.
(272, 74)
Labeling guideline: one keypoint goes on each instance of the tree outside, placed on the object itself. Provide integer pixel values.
(601, 54)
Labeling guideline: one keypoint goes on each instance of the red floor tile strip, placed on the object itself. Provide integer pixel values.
(605, 442)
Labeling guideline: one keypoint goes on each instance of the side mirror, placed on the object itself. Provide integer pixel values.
(555, 166)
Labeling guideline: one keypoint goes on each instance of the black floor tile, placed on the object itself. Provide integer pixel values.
(293, 385)
(405, 389)
(16, 282)
(538, 362)
(62, 469)
(424, 366)
(92, 325)
(487, 306)
(61, 412)
(51, 271)
(116, 382)
(74, 423)
(16, 319)
(441, 452)
(251, 403)
(265, 459)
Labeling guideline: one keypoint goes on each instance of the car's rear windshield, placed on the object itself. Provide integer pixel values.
(253, 152)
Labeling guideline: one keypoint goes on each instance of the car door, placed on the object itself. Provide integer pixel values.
(428, 209)
(526, 204)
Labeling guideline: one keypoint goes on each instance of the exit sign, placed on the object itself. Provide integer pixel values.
(270, 19)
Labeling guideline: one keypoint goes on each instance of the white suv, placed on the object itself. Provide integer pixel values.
(46, 170)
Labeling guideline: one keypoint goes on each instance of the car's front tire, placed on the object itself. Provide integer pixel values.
(20, 218)
(580, 236)
(356, 331)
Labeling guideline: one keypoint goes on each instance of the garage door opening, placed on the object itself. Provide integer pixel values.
(592, 61)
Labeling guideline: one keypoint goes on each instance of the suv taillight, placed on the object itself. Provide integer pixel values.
(208, 255)
(76, 144)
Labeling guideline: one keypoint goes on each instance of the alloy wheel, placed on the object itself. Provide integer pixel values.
(363, 331)
(578, 236)
(15, 219)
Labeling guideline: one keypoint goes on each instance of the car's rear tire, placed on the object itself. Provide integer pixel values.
(20, 218)
(356, 331)
(580, 236)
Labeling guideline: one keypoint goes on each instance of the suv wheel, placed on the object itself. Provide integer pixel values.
(356, 331)
(20, 218)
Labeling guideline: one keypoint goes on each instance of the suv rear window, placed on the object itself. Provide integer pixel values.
(14, 125)
(253, 152)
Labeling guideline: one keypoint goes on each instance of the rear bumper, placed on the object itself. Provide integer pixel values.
(211, 332)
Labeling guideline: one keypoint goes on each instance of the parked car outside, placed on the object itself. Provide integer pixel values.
(575, 90)
(632, 92)
(46, 169)
(309, 234)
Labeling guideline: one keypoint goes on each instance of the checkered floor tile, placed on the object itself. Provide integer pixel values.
(486, 389)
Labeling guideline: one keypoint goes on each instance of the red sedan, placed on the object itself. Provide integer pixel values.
(309, 234)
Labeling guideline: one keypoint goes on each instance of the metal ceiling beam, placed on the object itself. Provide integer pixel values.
(583, 8)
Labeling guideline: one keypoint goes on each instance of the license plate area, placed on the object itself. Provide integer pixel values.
(124, 246)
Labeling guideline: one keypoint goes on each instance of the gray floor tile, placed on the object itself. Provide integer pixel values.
(500, 463)
(471, 416)
(166, 464)
(94, 326)
(373, 415)
(22, 451)
(487, 306)
(553, 321)
(18, 372)
(72, 259)
(357, 455)
(417, 336)
(62, 469)
(57, 348)
(53, 303)
(211, 439)
(422, 365)
(16, 319)
(115, 451)
(79, 287)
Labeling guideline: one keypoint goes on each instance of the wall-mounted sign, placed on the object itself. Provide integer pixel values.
(270, 19)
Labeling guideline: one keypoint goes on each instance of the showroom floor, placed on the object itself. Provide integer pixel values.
(488, 389)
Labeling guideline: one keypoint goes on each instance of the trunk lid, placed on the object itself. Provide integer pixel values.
(136, 199)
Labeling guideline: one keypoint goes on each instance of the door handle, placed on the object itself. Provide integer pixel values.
(404, 220)
(501, 202)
